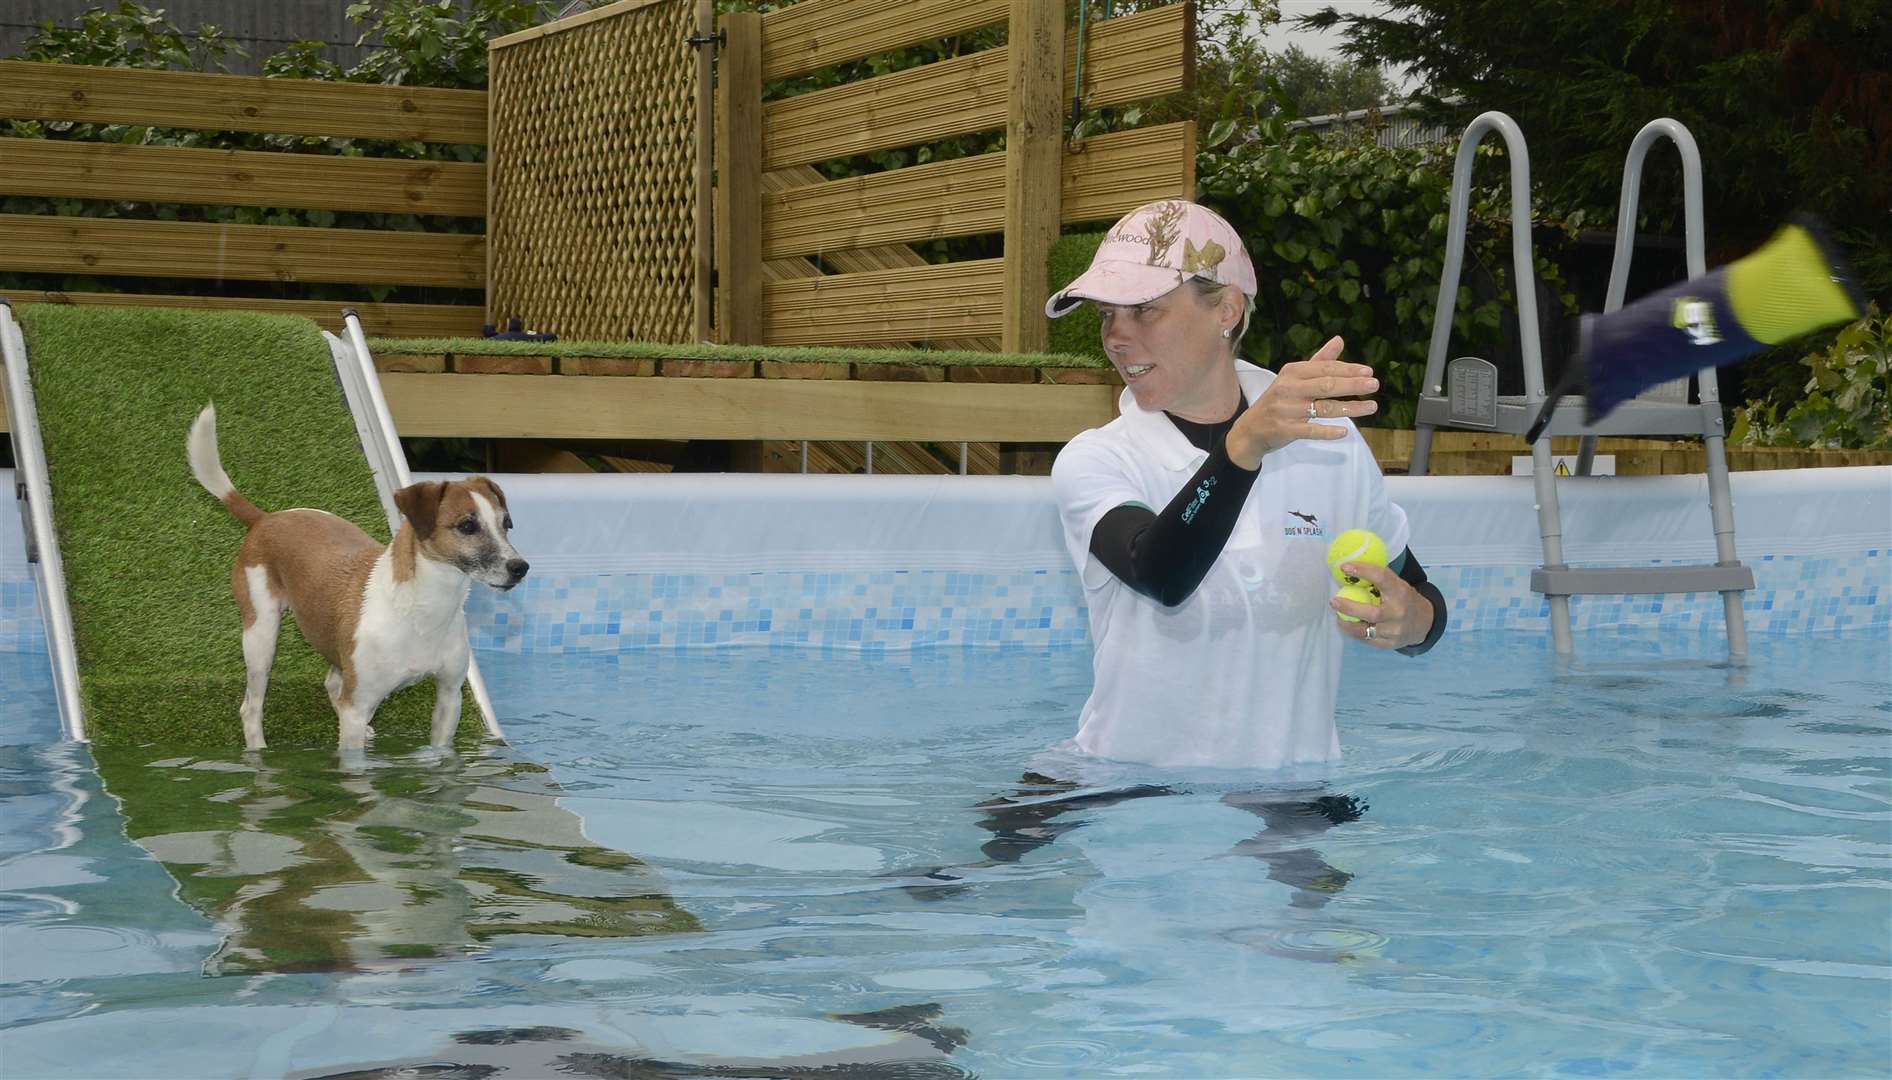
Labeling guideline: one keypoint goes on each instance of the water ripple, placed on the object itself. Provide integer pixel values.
(1320, 944)
(1064, 1054)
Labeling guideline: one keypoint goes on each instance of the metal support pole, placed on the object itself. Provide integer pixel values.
(382, 444)
(34, 488)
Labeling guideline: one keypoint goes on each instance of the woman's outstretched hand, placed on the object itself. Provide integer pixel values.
(1321, 386)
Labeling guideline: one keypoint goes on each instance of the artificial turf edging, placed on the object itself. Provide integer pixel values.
(650, 350)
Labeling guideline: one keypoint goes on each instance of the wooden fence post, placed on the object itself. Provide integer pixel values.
(739, 296)
(1034, 141)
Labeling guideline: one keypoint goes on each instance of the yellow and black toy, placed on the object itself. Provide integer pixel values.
(1793, 284)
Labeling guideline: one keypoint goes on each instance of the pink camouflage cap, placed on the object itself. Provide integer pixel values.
(1155, 248)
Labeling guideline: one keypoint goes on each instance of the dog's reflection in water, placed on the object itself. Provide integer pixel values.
(309, 866)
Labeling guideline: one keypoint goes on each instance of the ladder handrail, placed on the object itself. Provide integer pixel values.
(1694, 233)
(33, 486)
(381, 442)
(1524, 271)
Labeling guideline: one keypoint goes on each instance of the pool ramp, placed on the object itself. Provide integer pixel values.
(132, 558)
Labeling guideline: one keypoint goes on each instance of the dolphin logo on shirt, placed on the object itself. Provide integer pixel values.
(1310, 526)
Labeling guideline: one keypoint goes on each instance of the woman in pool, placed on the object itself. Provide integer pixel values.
(1199, 519)
(1211, 617)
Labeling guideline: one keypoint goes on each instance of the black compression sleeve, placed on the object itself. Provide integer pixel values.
(1415, 575)
(1165, 556)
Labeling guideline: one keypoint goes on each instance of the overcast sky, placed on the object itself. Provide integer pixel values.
(1324, 45)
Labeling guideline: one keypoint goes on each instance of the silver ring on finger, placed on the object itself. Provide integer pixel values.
(1313, 410)
(1371, 631)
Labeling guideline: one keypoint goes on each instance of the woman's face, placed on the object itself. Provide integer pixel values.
(1171, 352)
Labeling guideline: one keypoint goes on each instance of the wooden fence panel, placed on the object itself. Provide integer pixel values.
(173, 249)
(1103, 177)
(962, 197)
(918, 304)
(185, 99)
(1126, 59)
(819, 33)
(859, 260)
(173, 174)
(1107, 176)
(593, 174)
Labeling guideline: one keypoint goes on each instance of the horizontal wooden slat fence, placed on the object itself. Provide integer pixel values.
(1126, 59)
(1111, 175)
(182, 99)
(768, 231)
(908, 304)
(196, 249)
(218, 252)
(176, 174)
(804, 37)
(852, 260)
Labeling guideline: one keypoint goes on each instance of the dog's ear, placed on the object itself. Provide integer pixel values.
(498, 496)
(420, 505)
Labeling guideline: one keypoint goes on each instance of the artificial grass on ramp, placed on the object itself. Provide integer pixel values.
(148, 552)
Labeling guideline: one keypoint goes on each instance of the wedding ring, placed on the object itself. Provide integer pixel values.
(1371, 631)
(1313, 413)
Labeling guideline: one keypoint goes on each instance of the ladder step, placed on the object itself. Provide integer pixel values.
(1627, 580)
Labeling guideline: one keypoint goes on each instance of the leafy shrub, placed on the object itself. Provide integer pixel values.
(1847, 402)
(129, 35)
(1349, 238)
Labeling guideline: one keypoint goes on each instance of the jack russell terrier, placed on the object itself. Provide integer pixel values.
(384, 617)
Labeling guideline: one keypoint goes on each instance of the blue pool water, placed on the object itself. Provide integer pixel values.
(1645, 862)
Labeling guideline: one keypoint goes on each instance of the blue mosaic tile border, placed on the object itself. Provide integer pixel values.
(869, 611)
(1791, 595)
(896, 610)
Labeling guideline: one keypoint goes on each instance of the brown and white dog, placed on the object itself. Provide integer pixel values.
(384, 617)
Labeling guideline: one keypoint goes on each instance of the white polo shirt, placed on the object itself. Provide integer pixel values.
(1244, 672)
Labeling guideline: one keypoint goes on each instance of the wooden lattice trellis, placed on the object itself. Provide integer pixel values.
(592, 214)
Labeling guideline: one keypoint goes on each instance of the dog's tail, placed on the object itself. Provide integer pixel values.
(207, 467)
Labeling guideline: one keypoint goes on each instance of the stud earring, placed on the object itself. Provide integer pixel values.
(1228, 331)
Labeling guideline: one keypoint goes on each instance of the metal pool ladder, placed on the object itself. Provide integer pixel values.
(1463, 393)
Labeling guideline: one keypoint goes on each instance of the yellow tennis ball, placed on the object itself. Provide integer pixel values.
(1360, 592)
(1357, 546)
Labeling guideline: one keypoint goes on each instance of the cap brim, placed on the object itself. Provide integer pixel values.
(1114, 283)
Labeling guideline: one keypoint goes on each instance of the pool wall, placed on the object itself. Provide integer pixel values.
(892, 563)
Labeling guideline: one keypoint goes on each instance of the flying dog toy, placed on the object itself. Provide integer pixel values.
(1793, 284)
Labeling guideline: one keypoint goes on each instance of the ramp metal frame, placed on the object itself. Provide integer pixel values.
(1662, 410)
(374, 426)
(33, 487)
